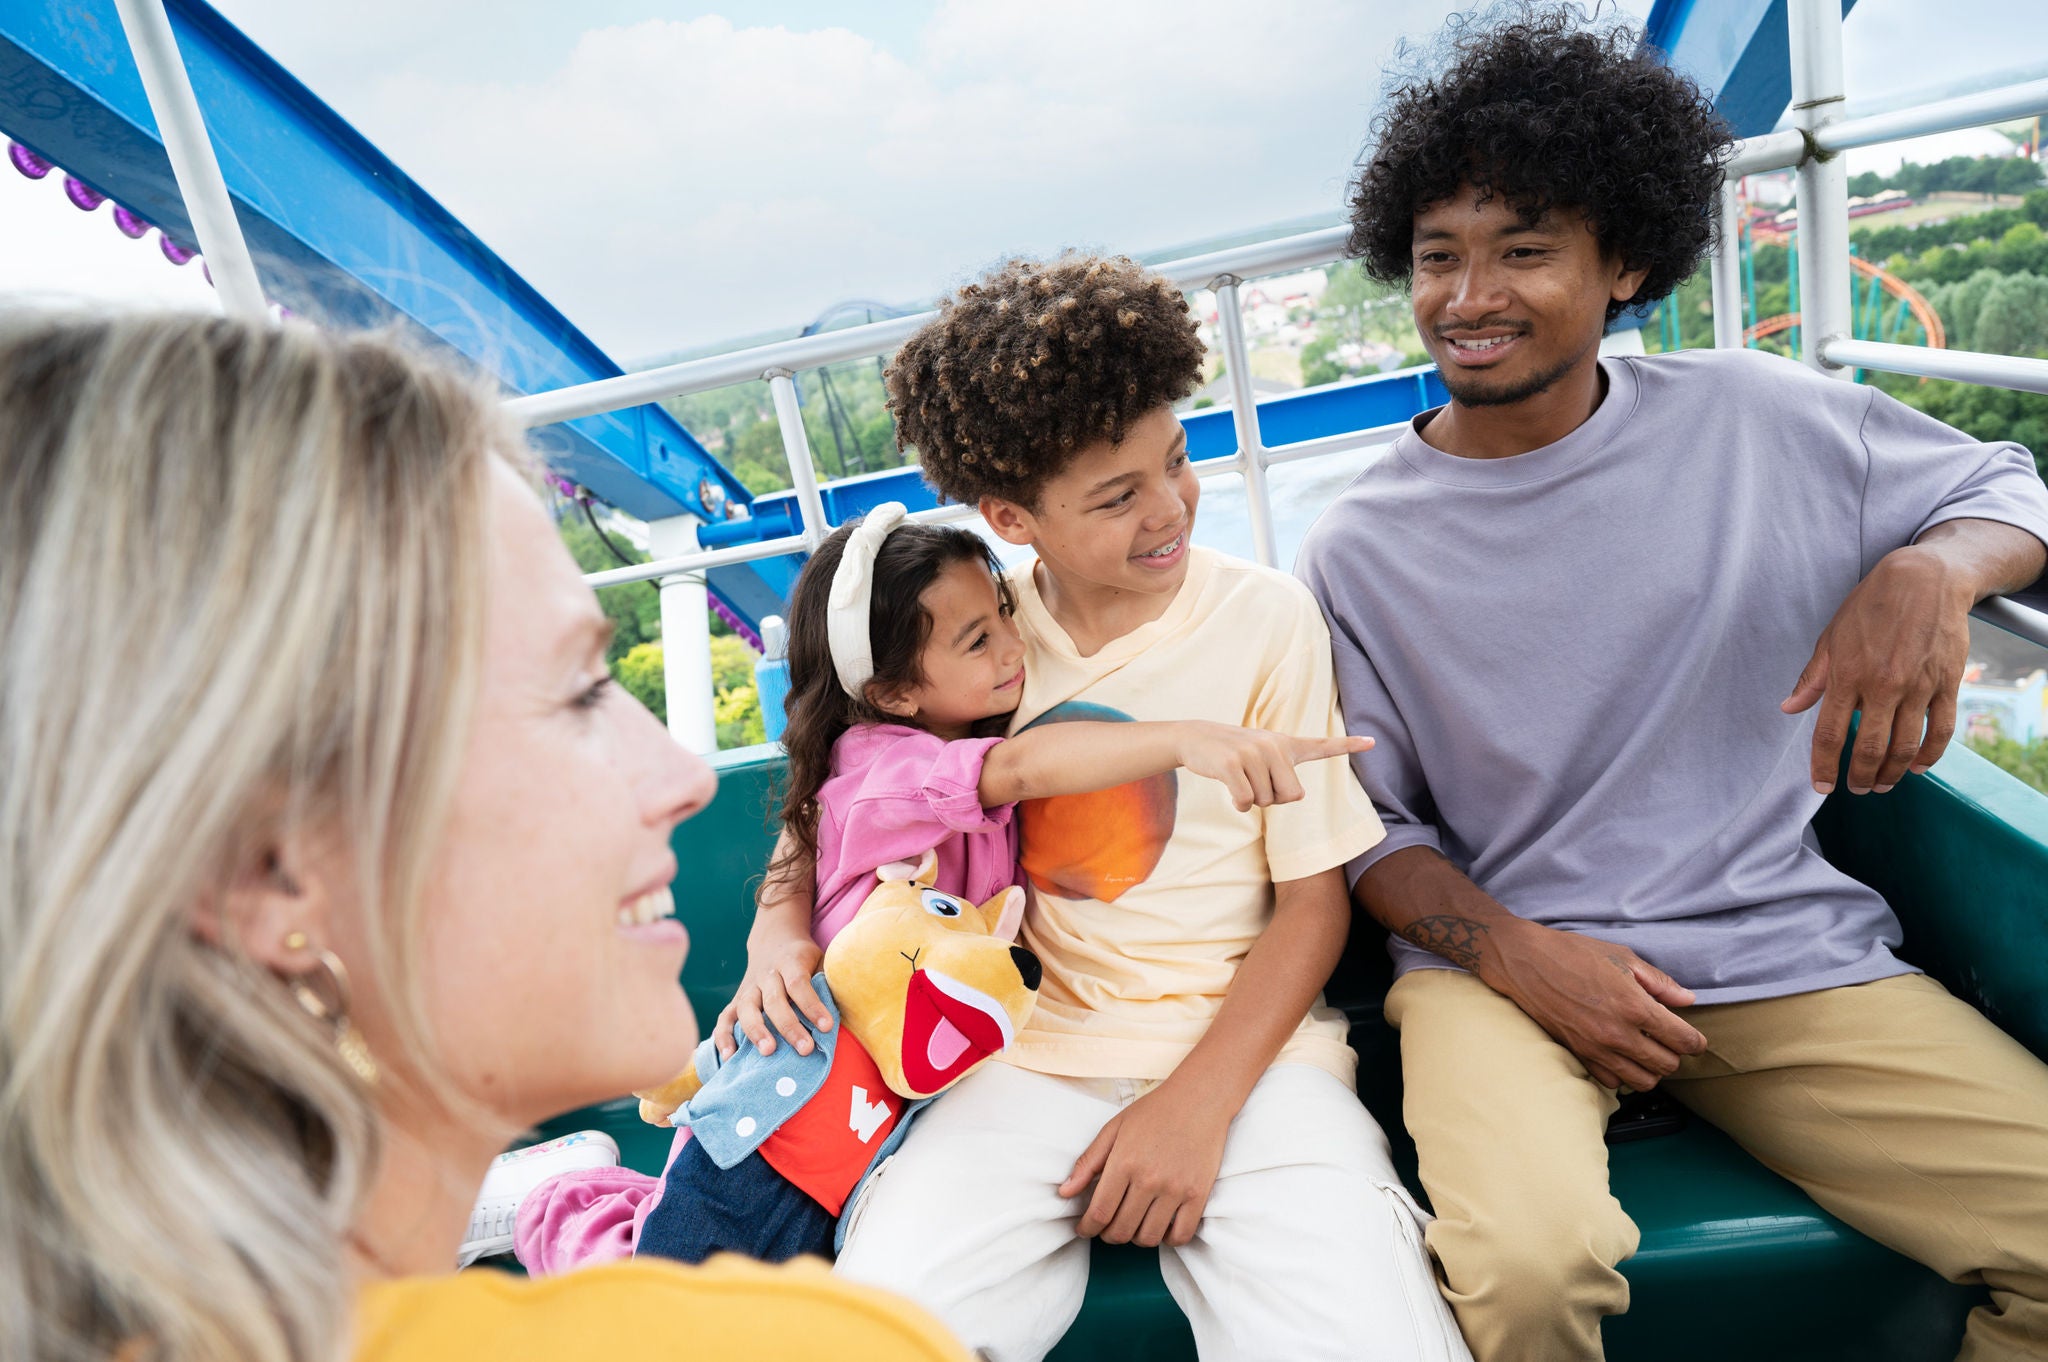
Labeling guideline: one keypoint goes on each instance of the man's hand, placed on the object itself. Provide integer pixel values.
(773, 989)
(1895, 650)
(1256, 766)
(1604, 1003)
(1153, 1166)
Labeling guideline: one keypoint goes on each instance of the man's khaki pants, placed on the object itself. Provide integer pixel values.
(1897, 1106)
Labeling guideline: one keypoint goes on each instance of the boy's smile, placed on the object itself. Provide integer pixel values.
(1111, 529)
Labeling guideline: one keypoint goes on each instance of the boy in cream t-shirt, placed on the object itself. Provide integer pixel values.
(1180, 1084)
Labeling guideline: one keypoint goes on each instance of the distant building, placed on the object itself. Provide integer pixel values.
(1987, 709)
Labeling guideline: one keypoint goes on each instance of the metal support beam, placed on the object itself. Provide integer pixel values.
(169, 88)
(1244, 411)
(1727, 271)
(685, 638)
(1816, 36)
(1964, 366)
(796, 446)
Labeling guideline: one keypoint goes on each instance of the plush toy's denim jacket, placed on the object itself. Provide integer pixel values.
(746, 1099)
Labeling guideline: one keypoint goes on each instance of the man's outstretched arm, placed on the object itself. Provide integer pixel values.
(1602, 1002)
(1897, 647)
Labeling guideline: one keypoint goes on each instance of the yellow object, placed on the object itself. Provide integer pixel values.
(658, 1104)
(1143, 915)
(1897, 1105)
(727, 1308)
(930, 984)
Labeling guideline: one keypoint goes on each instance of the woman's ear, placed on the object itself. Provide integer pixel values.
(1012, 523)
(274, 909)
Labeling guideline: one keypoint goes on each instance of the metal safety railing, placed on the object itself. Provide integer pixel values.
(1811, 147)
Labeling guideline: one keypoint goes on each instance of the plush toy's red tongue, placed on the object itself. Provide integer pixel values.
(943, 1036)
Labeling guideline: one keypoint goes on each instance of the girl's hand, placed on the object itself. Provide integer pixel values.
(1153, 1166)
(1256, 766)
(773, 990)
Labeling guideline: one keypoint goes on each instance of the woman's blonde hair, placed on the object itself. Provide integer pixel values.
(241, 586)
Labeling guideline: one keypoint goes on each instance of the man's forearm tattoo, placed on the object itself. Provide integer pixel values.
(1456, 939)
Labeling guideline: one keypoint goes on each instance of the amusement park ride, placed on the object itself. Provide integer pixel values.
(293, 208)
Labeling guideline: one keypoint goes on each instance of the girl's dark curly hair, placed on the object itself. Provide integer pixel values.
(1034, 362)
(820, 710)
(1545, 107)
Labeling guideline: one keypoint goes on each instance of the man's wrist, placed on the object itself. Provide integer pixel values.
(1926, 563)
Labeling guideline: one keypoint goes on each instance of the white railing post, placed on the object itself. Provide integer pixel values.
(1727, 270)
(796, 445)
(1244, 413)
(685, 638)
(193, 165)
(1816, 33)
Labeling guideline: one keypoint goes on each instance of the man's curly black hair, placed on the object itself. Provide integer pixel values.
(1546, 108)
(1034, 362)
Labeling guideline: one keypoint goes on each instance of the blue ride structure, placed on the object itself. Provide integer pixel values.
(342, 234)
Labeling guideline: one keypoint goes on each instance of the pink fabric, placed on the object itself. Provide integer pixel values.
(587, 1217)
(894, 794)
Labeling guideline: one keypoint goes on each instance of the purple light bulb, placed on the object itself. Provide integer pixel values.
(132, 227)
(27, 162)
(82, 196)
(173, 252)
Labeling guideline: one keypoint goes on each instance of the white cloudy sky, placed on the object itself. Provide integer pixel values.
(675, 172)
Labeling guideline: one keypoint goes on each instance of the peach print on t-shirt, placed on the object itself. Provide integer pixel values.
(1096, 846)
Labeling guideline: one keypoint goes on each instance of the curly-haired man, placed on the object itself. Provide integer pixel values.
(1570, 606)
(1179, 1084)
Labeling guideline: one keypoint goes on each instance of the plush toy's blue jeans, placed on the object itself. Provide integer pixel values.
(749, 1209)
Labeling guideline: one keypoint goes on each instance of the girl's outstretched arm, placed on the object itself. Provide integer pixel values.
(1256, 765)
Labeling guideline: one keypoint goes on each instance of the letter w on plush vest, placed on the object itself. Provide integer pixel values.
(866, 1117)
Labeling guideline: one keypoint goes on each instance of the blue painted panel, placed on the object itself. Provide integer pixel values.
(1356, 404)
(339, 231)
(1739, 49)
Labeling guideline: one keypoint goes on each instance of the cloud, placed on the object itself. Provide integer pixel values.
(674, 182)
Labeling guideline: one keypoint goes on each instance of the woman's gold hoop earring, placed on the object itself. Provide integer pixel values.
(330, 1005)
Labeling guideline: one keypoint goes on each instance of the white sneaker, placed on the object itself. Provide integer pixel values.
(515, 1173)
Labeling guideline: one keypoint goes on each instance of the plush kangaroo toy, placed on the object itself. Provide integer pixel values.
(924, 987)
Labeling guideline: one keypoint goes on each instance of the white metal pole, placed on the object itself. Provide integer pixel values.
(685, 639)
(1244, 412)
(1727, 270)
(193, 165)
(1816, 33)
(796, 445)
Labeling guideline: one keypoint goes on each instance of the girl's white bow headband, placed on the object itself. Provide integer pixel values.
(853, 597)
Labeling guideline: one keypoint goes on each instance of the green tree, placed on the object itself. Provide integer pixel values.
(635, 608)
(738, 716)
(640, 672)
(757, 460)
(2028, 761)
(735, 708)
(2014, 319)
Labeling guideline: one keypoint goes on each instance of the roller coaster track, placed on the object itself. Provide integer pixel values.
(1916, 303)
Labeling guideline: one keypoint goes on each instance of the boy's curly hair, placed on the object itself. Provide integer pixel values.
(1034, 362)
(1545, 107)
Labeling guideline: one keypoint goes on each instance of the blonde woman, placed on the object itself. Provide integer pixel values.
(329, 860)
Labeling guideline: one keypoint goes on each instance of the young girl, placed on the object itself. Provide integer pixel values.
(904, 669)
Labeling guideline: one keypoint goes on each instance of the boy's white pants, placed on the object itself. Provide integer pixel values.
(1308, 1248)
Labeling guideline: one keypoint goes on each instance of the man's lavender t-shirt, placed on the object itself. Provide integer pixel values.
(1572, 659)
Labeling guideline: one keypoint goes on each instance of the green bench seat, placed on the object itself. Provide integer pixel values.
(1735, 1261)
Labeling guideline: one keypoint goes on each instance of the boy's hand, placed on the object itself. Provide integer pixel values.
(1153, 1166)
(773, 990)
(1257, 766)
